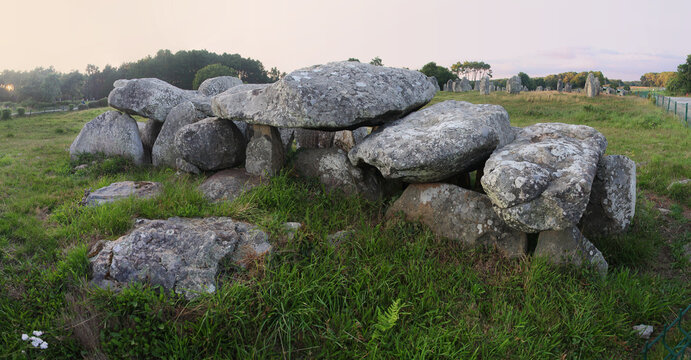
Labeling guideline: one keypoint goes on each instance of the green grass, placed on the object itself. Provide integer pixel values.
(393, 291)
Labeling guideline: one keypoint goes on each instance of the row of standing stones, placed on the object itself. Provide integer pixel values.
(514, 86)
(549, 179)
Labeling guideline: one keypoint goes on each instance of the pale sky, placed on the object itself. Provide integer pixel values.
(623, 38)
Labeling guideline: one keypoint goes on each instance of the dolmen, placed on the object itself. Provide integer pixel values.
(362, 129)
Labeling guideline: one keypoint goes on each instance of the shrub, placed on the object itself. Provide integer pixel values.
(21, 111)
(6, 114)
(98, 103)
(211, 71)
(82, 107)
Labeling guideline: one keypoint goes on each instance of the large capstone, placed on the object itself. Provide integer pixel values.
(513, 85)
(123, 190)
(211, 144)
(456, 213)
(338, 96)
(612, 198)
(569, 246)
(217, 85)
(542, 180)
(181, 255)
(435, 143)
(332, 168)
(113, 134)
(153, 98)
(164, 152)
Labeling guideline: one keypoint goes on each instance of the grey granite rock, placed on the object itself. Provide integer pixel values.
(217, 85)
(456, 213)
(435, 143)
(332, 168)
(123, 190)
(337, 96)
(211, 144)
(484, 85)
(569, 246)
(265, 152)
(181, 255)
(592, 85)
(513, 85)
(164, 152)
(153, 98)
(542, 180)
(313, 139)
(185, 167)
(113, 134)
(226, 185)
(612, 198)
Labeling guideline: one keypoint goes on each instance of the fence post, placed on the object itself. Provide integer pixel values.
(675, 108)
(686, 116)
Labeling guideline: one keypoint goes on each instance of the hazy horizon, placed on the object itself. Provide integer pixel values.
(623, 39)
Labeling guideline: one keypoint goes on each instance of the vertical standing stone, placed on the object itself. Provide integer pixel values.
(513, 85)
(484, 85)
(560, 85)
(569, 246)
(265, 152)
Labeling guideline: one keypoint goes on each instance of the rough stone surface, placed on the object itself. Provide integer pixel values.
(344, 140)
(539, 88)
(339, 237)
(111, 133)
(560, 85)
(449, 85)
(153, 98)
(217, 85)
(435, 143)
(123, 190)
(456, 213)
(332, 168)
(644, 331)
(612, 198)
(228, 184)
(567, 87)
(313, 139)
(164, 152)
(339, 96)
(484, 85)
(569, 246)
(542, 180)
(265, 152)
(513, 85)
(181, 255)
(360, 134)
(184, 166)
(211, 144)
(592, 85)
(461, 85)
(149, 133)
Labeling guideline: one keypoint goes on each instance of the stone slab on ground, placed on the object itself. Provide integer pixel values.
(122, 190)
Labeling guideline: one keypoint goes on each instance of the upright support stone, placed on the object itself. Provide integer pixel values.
(265, 152)
(569, 246)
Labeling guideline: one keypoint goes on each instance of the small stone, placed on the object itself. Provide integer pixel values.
(569, 246)
(227, 185)
(339, 237)
(291, 229)
(643, 331)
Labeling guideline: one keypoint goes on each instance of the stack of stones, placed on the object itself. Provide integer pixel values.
(548, 179)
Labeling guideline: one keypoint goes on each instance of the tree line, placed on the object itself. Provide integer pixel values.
(179, 69)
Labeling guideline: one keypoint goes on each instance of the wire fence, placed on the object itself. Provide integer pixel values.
(671, 333)
(677, 105)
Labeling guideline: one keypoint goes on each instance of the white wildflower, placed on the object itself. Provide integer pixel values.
(38, 333)
(36, 342)
(25, 337)
(44, 345)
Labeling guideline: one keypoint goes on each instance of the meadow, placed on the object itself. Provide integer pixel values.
(393, 290)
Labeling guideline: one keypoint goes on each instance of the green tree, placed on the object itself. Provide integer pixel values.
(212, 71)
(473, 70)
(376, 61)
(353, 59)
(680, 83)
(526, 81)
(441, 73)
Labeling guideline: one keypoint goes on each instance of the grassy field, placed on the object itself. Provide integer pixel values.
(393, 291)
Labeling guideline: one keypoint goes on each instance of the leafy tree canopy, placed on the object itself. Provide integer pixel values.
(376, 61)
(211, 71)
(441, 73)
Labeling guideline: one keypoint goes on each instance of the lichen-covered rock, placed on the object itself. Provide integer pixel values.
(164, 151)
(217, 85)
(228, 184)
(181, 255)
(185, 167)
(332, 168)
(265, 152)
(344, 140)
(542, 180)
(337, 96)
(592, 85)
(313, 139)
(123, 190)
(435, 143)
(211, 144)
(484, 85)
(456, 213)
(612, 198)
(153, 98)
(513, 85)
(111, 133)
(149, 133)
(462, 85)
(569, 246)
